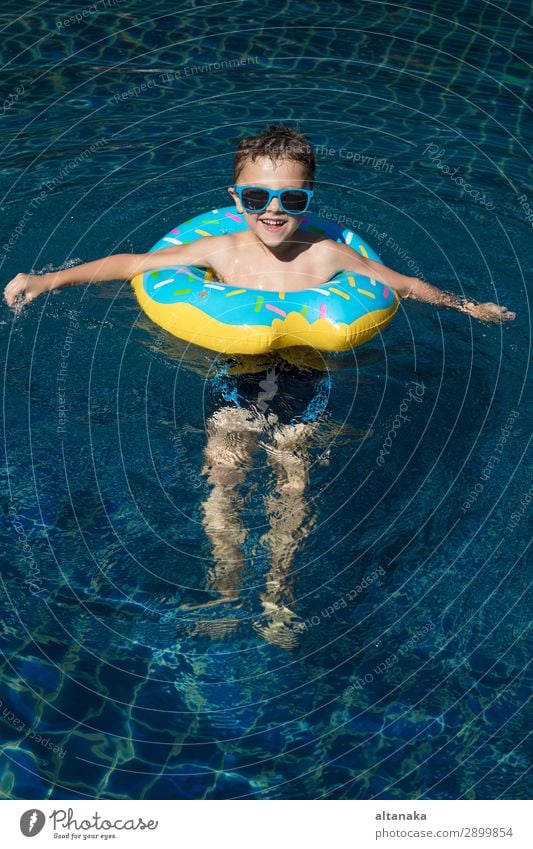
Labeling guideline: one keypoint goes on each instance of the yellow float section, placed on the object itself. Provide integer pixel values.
(193, 325)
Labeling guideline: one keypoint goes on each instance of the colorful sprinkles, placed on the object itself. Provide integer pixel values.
(339, 292)
(272, 308)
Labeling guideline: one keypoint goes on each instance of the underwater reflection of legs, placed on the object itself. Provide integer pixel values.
(231, 440)
(287, 510)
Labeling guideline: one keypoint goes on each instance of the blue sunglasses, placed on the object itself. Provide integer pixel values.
(257, 198)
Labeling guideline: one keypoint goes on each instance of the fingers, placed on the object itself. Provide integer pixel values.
(10, 294)
(14, 288)
(502, 313)
(493, 312)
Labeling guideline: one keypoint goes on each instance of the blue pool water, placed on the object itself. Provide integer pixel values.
(396, 662)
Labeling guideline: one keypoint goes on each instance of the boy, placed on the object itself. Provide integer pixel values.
(273, 254)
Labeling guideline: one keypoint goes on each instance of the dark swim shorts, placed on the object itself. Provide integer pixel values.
(292, 394)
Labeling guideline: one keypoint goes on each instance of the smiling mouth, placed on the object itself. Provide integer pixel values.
(273, 223)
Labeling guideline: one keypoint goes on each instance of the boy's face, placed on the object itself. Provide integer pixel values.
(282, 174)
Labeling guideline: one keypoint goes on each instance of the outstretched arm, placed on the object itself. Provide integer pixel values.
(420, 291)
(412, 287)
(26, 287)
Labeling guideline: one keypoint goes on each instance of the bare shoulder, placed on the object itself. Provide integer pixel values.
(217, 245)
(212, 245)
(336, 256)
(201, 252)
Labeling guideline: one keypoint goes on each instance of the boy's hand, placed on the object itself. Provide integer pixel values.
(24, 287)
(489, 312)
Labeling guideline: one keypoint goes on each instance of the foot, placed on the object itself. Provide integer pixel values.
(215, 628)
(279, 626)
(213, 603)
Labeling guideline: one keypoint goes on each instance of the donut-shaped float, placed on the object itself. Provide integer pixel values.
(192, 304)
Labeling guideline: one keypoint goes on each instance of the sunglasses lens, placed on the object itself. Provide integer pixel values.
(294, 200)
(254, 199)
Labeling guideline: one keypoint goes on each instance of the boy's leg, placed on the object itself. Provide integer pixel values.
(231, 440)
(287, 511)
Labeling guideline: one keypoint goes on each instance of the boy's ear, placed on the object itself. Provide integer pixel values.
(235, 199)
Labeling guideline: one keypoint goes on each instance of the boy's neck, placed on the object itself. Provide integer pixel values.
(283, 252)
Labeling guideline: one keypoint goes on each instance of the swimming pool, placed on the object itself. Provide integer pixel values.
(406, 672)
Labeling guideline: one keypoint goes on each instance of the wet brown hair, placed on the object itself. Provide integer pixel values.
(276, 142)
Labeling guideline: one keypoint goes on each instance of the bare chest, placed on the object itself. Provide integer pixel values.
(254, 272)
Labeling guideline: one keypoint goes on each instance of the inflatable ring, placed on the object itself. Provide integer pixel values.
(192, 304)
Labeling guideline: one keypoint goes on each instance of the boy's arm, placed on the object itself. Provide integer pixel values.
(115, 267)
(412, 287)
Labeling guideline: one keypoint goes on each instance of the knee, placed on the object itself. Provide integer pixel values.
(222, 472)
(232, 420)
(294, 485)
(291, 438)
